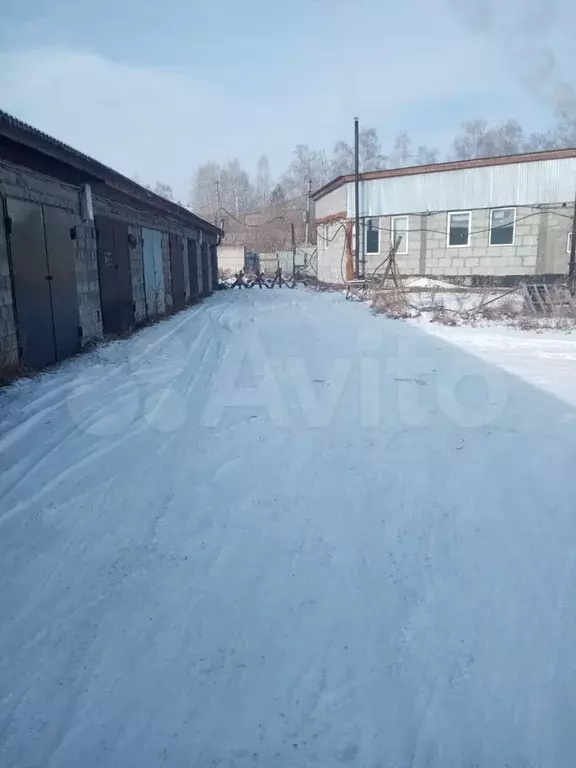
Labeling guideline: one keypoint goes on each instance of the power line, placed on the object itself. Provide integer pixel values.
(444, 232)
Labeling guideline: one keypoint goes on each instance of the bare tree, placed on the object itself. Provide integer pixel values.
(263, 183)
(203, 196)
(371, 156)
(306, 164)
(425, 155)
(165, 190)
(236, 190)
(401, 155)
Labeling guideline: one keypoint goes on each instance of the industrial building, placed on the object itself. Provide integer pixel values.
(498, 219)
(86, 252)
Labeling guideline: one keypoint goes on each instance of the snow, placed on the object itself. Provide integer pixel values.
(427, 282)
(278, 530)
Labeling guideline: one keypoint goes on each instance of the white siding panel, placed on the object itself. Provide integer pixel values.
(333, 202)
(536, 183)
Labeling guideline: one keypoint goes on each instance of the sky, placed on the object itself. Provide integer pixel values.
(153, 89)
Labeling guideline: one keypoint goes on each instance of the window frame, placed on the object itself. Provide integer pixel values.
(378, 230)
(459, 213)
(503, 245)
(405, 238)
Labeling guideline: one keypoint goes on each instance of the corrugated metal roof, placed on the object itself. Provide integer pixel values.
(528, 183)
(456, 165)
(26, 134)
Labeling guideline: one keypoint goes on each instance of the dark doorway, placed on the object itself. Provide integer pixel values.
(42, 255)
(115, 275)
(193, 269)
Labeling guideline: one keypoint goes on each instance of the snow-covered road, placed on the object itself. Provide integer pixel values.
(278, 531)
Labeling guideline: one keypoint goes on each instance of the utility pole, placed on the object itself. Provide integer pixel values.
(357, 194)
(219, 211)
(292, 230)
(307, 233)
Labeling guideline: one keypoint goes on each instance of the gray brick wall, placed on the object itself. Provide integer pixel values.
(137, 271)
(27, 185)
(8, 338)
(540, 246)
(88, 285)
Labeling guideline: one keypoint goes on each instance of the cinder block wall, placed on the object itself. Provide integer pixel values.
(87, 283)
(332, 253)
(540, 246)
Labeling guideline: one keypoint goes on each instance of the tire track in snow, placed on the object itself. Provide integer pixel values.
(192, 363)
(22, 429)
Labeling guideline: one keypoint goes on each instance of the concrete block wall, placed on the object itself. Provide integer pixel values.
(540, 246)
(137, 272)
(8, 337)
(332, 253)
(553, 257)
(479, 257)
(409, 256)
(88, 284)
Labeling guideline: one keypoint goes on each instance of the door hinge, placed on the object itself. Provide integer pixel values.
(72, 233)
(80, 334)
(8, 225)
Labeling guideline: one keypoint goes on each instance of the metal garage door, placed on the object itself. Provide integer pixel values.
(177, 270)
(206, 280)
(115, 275)
(193, 269)
(214, 266)
(58, 225)
(31, 283)
(153, 273)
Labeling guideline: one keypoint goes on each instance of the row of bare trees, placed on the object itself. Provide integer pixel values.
(239, 193)
(228, 195)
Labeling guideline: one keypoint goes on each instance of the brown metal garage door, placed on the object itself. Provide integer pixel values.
(193, 269)
(177, 270)
(42, 255)
(115, 275)
(206, 286)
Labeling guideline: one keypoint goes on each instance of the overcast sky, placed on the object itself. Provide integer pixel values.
(155, 87)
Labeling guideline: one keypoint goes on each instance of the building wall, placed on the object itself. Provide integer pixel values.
(540, 246)
(8, 338)
(332, 253)
(24, 184)
(231, 258)
(87, 282)
(333, 202)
